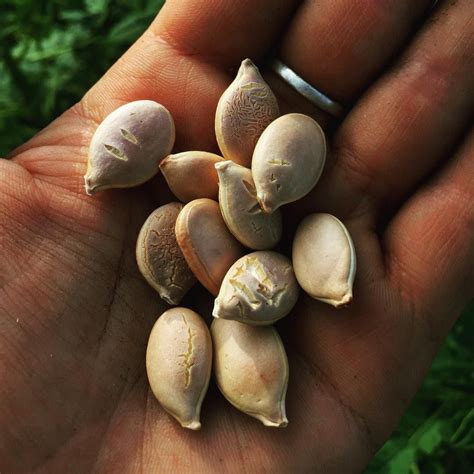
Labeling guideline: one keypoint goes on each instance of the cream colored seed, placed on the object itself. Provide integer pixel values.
(208, 246)
(159, 257)
(245, 109)
(241, 211)
(258, 289)
(288, 160)
(251, 369)
(324, 259)
(128, 145)
(192, 175)
(178, 364)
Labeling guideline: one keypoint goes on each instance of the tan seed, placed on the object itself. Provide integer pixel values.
(245, 109)
(260, 288)
(241, 210)
(324, 259)
(191, 175)
(178, 364)
(208, 246)
(128, 145)
(159, 257)
(251, 369)
(288, 160)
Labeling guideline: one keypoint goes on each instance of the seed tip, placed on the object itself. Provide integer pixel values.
(90, 189)
(215, 311)
(192, 425)
(281, 423)
(167, 298)
(346, 300)
(165, 161)
(247, 62)
(263, 203)
(222, 165)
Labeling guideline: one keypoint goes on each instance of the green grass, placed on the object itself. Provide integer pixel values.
(52, 51)
(436, 434)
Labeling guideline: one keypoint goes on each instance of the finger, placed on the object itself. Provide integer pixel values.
(417, 114)
(166, 66)
(339, 46)
(430, 246)
(222, 32)
(408, 122)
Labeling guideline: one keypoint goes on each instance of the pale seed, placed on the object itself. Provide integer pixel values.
(159, 257)
(288, 160)
(208, 246)
(191, 175)
(178, 364)
(245, 109)
(128, 145)
(324, 259)
(251, 369)
(241, 210)
(258, 289)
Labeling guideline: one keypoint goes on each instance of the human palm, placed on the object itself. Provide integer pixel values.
(76, 313)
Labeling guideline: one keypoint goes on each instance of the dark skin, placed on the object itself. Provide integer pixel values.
(76, 313)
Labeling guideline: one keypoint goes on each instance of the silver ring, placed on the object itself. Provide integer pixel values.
(307, 90)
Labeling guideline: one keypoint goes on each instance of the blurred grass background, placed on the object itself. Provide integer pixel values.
(52, 51)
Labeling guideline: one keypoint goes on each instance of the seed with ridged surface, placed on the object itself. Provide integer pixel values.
(241, 211)
(258, 289)
(251, 369)
(159, 257)
(128, 145)
(208, 246)
(288, 160)
(191, 174)
(245, 109)
(178, 364)
(324, 259)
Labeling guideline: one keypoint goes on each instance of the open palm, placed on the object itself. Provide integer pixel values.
(75, 313)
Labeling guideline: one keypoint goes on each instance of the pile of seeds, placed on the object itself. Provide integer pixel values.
(221, 236)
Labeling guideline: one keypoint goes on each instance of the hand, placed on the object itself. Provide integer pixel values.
(76, 314)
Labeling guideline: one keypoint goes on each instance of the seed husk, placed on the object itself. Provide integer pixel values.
(324, 259)
(244, 110)
(241, 210)
(251, 369)
(192, 175)
(259, 288)
(159, 256)
(128, 145)
(208, 246)
(178, 364)
(288, 160)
